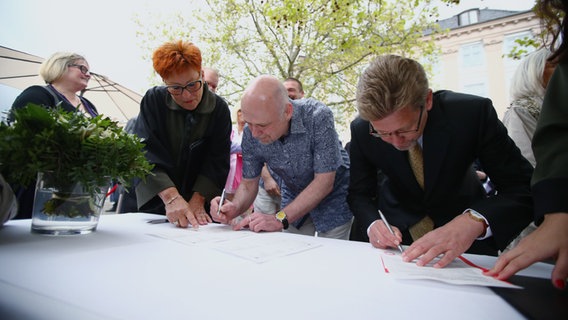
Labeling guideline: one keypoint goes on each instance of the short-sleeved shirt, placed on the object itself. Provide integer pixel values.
(311, 146)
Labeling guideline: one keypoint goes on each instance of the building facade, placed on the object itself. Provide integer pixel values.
(474, 52)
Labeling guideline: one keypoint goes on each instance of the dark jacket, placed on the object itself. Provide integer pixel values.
(49, 98)
(460, 128)
(190, 149)
(550, 180)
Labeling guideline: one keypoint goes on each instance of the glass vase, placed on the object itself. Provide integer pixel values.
(66, 208)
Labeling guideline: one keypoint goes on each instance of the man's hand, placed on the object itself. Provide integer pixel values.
(448, 241)
(380, 236)
(258, 222)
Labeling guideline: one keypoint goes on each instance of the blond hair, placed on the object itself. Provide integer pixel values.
(390, 83)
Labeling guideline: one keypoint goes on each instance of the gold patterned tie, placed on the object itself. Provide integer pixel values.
(417, 164)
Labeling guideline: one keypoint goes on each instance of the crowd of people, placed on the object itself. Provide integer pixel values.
(411, 157)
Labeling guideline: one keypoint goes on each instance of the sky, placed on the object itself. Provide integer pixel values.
(104, 31)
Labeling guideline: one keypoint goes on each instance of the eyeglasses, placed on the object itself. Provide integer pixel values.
(191, 87)
(82, 68)
(397, 133)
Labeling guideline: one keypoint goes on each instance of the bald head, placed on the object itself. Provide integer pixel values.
(211, 76)
(266, 108)
(266, 90)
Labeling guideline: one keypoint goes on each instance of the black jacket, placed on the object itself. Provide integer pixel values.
(460, 128)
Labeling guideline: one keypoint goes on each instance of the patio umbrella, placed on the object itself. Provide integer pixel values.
(20, 70)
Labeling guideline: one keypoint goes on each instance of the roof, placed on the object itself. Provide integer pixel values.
(485, 15)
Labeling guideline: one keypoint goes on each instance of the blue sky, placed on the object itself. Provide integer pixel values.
(105, 33)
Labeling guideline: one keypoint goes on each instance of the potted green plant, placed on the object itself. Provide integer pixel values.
(73, 158)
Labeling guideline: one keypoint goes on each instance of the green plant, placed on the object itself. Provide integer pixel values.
(73, 147)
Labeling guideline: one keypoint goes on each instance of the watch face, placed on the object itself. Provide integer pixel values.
(280, 215)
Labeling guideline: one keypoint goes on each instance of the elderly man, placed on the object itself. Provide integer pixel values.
(297, 139)
(211, 77)
(425, 143)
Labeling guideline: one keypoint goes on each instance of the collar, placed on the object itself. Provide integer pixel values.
(296, 123)
(205, 106)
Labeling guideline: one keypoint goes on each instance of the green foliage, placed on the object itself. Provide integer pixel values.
(522, 47)
(74, 147)
(325, 44)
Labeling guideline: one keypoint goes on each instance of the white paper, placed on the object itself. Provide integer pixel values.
(266, 248)
(238, 243)
(205, 234)
(457, 272)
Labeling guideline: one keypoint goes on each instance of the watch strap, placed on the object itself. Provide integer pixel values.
(281, 216)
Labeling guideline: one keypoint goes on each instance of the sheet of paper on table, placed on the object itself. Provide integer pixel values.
(238, 243)
(457, 272)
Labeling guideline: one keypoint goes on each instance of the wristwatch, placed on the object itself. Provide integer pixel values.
(479, 218)
(281, 216)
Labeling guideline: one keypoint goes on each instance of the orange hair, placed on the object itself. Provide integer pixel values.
(176, 56)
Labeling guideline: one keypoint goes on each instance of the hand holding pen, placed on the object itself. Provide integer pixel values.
(390, 229)
(221, 202)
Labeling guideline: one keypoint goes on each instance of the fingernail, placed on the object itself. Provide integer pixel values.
(560, 284)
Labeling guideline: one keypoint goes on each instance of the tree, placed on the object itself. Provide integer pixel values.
(325, 44)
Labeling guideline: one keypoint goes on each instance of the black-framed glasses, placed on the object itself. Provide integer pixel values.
(397, 133)
(82, 68)
(191, 87)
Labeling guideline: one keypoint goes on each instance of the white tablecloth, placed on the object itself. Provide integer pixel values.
(124, 271)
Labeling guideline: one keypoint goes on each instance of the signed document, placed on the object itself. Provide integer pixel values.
(458, 272)
(260, 247)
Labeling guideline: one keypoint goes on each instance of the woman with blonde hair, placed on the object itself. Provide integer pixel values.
(66, 74)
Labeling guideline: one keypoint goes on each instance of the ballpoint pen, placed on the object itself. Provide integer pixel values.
(390, 229)
(221, 202)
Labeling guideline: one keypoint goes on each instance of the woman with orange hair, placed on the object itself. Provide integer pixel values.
(187, 131)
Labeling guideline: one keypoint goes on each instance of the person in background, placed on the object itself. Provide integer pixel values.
(298, 141)
(127, 196)
(187, 132)
(528, 87)
(550, 179)
(66, 74)
(425, 143)
(236, 162)
(211, 77)
(294, 88)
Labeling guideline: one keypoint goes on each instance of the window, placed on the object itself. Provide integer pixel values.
(468, 17)
(471, 55)
(473, 69)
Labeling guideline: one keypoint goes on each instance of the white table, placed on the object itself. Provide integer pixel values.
(123, 272)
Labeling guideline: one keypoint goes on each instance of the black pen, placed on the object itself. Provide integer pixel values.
(157, 221)
(221, 202)
(390, 229)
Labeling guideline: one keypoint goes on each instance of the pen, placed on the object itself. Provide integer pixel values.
(221, 202)
(157, 221)
(390, 229)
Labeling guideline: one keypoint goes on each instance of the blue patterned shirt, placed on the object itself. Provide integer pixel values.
(311, 146)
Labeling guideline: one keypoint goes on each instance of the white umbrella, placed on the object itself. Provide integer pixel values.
(20, 70)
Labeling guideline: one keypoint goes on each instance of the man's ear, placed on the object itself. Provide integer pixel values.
(289, 110)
